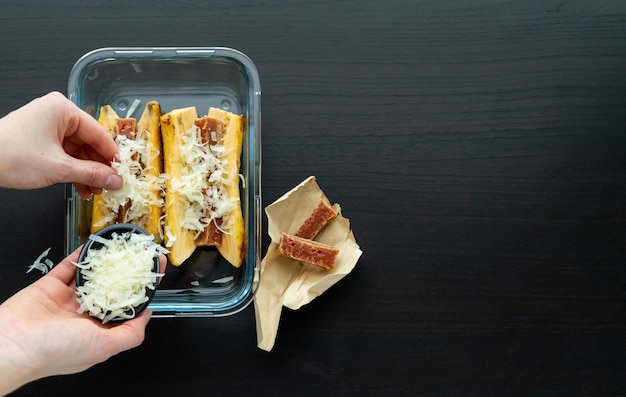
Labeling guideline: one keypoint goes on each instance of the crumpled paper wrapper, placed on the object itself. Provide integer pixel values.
(291, 283)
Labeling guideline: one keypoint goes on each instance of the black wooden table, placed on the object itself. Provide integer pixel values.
(478, 148)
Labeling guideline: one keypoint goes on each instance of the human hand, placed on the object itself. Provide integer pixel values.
(50, 140)
(41, 333)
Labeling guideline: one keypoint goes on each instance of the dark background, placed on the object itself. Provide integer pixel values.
(478, 148)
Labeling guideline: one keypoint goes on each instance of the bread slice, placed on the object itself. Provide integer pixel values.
(321, 215)
(308, 251)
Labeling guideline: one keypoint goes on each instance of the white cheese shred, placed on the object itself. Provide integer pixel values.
(133, 107)
(116, 275)
(42, 263)
(223, 280)
(141, 187)
(203, 184)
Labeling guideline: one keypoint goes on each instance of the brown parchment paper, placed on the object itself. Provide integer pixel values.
(290, 283)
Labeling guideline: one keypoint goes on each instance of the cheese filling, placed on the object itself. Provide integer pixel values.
(141, 188)
(202, 183)
(117, 274)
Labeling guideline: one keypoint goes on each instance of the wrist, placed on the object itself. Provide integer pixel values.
(13, 365)
(8, 150)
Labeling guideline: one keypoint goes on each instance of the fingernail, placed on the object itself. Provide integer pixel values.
(113, 182)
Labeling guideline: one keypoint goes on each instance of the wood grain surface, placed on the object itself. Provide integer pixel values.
(477, 147)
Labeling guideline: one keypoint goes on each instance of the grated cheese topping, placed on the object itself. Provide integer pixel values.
(117, 274)
(141, 188)
(42, 263)
(202, 184)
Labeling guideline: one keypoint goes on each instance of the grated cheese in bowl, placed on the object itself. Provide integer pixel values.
(117, 272)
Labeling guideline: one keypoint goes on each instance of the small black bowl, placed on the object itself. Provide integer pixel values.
(106, 233)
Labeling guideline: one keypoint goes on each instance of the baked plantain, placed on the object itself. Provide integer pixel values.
(140, 200)
(202, 189)
(232, 245)
(178, 239)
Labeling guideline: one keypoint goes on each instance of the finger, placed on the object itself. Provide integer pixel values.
(72, 148)
(79, 126)
(90, 173)
(84, 191)
(95, 190)
(93, 154)
(162, 265)
(130, 333)
(65, 271)
(82, 151)
(85, 129)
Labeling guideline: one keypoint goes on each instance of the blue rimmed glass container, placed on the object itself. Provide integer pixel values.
(206, 284)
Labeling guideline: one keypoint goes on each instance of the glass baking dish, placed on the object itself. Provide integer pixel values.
(205, 285)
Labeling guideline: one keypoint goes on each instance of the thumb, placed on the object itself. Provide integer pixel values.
(92, 174)
(129, 334)
(65, 270)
